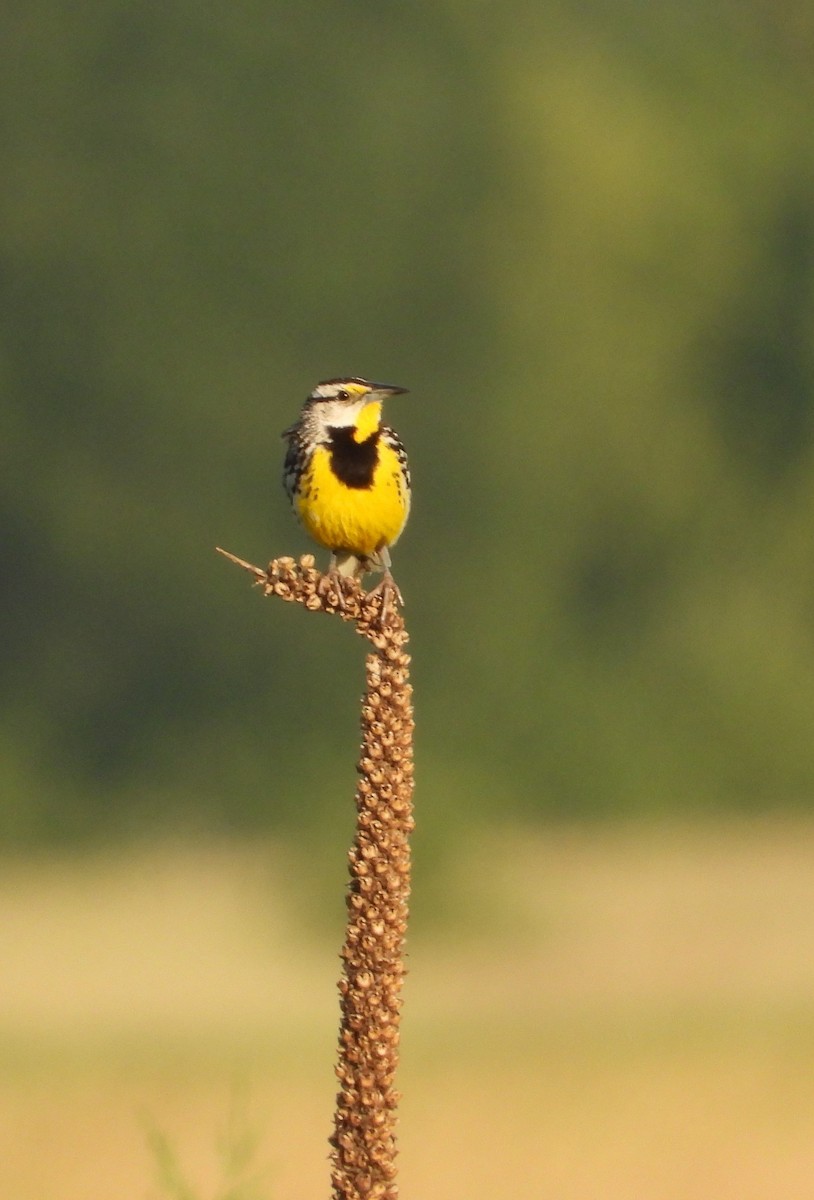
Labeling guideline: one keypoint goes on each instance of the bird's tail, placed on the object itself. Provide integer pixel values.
(354, 566)
(348, 565)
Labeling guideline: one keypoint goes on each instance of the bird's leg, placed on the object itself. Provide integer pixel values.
(333, 581)
(387, 587)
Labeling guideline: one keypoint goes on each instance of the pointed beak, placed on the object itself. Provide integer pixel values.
(378, 391)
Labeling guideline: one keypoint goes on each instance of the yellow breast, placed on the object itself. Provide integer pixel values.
(358, 520)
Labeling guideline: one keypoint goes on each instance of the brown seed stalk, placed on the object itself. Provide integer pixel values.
(363, 1142)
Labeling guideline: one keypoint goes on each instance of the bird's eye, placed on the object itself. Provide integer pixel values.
(343, 395)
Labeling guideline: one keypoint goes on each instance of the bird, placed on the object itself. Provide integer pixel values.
(348, 480)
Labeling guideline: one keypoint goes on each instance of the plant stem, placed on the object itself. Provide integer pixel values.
(363, 1142)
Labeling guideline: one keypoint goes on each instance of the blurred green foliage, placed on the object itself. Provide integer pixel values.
(581, 234)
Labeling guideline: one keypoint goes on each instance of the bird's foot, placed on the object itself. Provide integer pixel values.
(388, 589)
(331, 585)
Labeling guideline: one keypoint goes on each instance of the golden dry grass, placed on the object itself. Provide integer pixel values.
(628, 1013)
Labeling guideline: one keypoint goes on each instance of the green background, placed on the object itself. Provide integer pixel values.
(581, 234)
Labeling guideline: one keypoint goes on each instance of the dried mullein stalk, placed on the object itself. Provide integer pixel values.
(363, 1141)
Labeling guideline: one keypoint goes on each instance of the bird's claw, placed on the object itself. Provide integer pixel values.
(333, 583)
(389, 591)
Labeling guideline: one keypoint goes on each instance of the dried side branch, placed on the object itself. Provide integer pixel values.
(301, 583)
(364, 1145)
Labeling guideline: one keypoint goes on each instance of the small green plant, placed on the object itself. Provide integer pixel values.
(236, 1148)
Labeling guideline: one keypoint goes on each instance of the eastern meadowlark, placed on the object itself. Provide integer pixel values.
(347, 478)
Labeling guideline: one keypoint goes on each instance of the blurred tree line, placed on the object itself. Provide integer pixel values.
(581, 234)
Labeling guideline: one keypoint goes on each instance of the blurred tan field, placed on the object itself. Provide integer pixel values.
(623, 1012)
